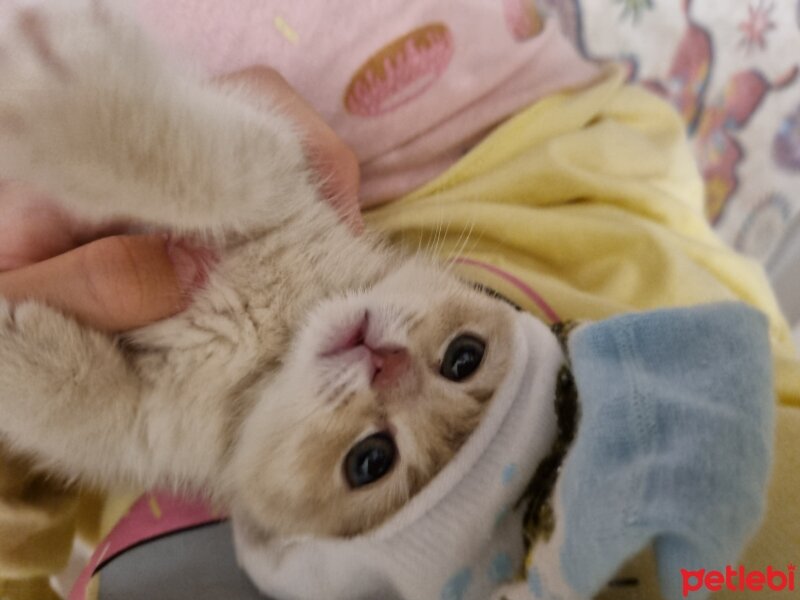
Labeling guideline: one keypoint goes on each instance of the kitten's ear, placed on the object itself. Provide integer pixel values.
(93, 112)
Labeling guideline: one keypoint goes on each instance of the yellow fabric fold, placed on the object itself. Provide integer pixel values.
(37, 524)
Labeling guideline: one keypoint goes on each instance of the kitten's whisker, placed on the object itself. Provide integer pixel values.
(342, 400)
(335, 382)
(429, 242)
(311, 412)
(414, 323)
(433, 246)
(419, 246)
(461, 246)
(406, 319)
(334, 393)
(442, 239)
(346, 399)
(454, 259)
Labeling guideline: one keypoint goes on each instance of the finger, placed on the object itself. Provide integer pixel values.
(113, 283)
(332, 160)
(31, 227)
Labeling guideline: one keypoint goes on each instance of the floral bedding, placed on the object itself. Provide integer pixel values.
(730, 67)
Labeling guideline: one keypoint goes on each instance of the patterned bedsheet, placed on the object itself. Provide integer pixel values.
(731, 68)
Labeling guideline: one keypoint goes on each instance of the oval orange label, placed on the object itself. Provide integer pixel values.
(400, 71)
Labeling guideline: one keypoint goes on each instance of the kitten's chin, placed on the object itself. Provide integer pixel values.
(249, 530)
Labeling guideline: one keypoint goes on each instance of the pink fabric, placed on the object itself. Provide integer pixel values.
(409, 84)
(152, 516)
(547, 310)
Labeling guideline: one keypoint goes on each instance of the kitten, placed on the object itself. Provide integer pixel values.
(316, 382)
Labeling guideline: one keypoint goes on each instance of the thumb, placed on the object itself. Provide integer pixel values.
(114, 283)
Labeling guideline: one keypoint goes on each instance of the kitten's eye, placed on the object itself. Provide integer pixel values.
(369, 460)
(462, 357)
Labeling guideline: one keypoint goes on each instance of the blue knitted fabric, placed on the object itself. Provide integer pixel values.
(674, 442)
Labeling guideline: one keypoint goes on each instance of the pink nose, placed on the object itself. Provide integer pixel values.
(389, 364)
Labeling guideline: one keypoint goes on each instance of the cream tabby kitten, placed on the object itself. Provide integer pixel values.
(315, 383)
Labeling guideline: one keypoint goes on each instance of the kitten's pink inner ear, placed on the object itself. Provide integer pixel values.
(390, 364)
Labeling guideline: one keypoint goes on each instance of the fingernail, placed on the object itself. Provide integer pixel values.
(189, 263)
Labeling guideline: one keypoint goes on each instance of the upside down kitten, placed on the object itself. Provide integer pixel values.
(316, 382)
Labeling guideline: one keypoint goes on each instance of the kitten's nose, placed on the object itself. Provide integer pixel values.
(390, 364)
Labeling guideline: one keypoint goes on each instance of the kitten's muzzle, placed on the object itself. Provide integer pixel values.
(390, 365)
(385, 366)
(351, 336)
(386, 362)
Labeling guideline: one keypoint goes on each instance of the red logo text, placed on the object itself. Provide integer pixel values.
(739, 580)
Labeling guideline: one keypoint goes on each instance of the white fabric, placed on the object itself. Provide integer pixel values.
(441, 544)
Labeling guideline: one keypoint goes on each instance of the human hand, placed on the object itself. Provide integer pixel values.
(116, 282)
(110, 282)
(335, 164)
